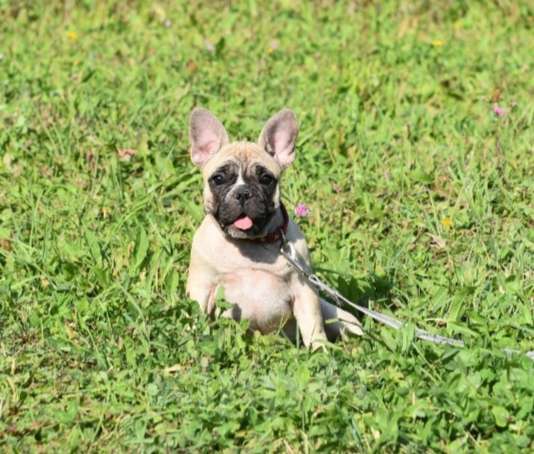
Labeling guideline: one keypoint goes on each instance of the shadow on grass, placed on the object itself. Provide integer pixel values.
(362, 291)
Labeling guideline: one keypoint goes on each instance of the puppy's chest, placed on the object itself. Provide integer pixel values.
(256, 280)
(255, 289)
(229, 259)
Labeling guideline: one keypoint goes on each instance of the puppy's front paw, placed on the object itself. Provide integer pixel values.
(319, 345)
(319, 341)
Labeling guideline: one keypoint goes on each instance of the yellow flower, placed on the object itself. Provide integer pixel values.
(72, 36)
(438, 43)
(273, 46)
(447, 223)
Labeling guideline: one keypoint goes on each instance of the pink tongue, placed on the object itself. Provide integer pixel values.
(243, 223)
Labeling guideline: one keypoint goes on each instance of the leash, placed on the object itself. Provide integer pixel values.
(291, 255)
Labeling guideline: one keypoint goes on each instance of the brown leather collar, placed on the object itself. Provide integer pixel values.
(276, 235)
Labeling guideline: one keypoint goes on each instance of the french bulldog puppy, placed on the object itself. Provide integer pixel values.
(237, 246)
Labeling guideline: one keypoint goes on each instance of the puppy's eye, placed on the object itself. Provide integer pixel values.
(266, 179)
(217, 179)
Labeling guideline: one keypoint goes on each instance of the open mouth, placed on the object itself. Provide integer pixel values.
(243, 223)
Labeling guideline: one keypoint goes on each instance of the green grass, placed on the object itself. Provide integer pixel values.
(421, 200)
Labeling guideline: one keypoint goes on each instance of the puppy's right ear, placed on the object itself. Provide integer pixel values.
(207, 135)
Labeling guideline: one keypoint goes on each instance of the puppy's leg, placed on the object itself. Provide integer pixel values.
(307, 312)
(202, 285)
(337, 321)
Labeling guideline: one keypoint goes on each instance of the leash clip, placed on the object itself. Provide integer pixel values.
(287, 249)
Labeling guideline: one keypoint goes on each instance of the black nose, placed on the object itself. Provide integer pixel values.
(242, 194)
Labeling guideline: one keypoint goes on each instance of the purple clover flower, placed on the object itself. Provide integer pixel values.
(498, 110)
(302, 210)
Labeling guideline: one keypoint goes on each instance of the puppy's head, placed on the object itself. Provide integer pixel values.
(241, 179)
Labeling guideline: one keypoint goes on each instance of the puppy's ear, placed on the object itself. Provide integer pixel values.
(279, 136)
(207, 135)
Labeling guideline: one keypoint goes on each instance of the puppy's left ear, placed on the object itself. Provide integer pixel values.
(207, 135)
(279, 136)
